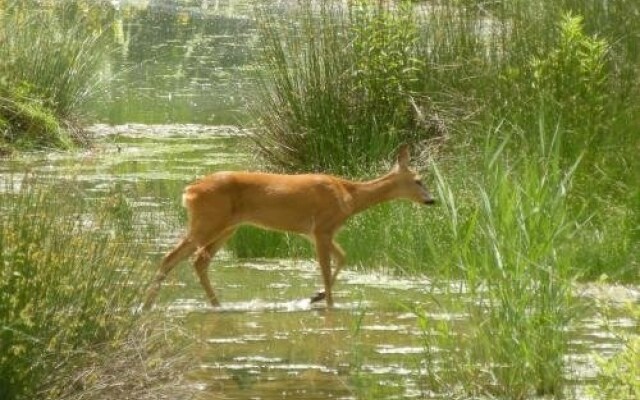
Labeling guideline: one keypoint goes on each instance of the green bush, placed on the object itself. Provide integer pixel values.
(573, 79)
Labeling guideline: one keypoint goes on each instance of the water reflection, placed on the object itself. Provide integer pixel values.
(267, 341)
(179, 62)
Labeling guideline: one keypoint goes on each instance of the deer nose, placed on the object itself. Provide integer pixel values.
(430, 201)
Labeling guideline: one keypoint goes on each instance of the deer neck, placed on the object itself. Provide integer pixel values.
(370, 193)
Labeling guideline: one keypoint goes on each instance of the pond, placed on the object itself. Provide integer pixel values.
(180, 81)
(268, 341)
(179, 62)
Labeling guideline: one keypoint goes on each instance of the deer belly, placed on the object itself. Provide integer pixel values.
(287, 223)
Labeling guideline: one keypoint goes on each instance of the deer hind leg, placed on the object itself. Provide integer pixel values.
(183, 250)
(203, 258)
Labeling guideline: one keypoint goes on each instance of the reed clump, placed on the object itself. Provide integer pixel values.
(513, 256)
(50, 58)
(339, 89)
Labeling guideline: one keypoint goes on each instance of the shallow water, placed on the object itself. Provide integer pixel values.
(192, 62)
(188, 61)
(267, 341)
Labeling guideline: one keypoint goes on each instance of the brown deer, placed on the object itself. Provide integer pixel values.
(314, 205)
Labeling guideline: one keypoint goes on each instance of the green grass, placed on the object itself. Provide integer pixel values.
(50, 59)
(328, 105)
(618, 375)
(515, 252)
(71, 274)
(338, 87)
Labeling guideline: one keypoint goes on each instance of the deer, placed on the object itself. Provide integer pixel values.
(313, 205)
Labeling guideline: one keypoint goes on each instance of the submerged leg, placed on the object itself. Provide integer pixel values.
(338, 256)
(323, 252)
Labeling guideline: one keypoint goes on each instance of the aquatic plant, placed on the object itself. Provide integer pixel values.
(515, 258)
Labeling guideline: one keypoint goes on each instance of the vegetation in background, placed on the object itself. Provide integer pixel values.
(339, 87)
(328, 105)
(524, 90)
(70, 279)
(49, 62)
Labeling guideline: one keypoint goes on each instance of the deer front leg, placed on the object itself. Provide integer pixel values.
(323, 252)
(339, 259)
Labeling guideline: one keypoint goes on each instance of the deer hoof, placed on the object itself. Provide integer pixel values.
(318, 296)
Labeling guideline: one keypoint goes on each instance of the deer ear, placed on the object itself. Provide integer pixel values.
(403, 156)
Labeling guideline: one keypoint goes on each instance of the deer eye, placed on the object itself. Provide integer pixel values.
(418, 182)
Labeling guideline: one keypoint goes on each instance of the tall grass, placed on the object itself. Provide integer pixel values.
(329, 104)
(50, 59)
(515, 255)
(69, 282)
(338, 89)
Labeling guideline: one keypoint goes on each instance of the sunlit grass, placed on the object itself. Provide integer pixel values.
(50, 59)
(515, 254)
(72, 273)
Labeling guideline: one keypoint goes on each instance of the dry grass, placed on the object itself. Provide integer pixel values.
(150, 363)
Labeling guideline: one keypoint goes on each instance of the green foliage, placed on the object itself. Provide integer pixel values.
(572, 76)
(385, 60)
(50, 59)
(64, 283)
(512, 252)
(253, 242)
(30, 124)
(618, 375)
(338, 92)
